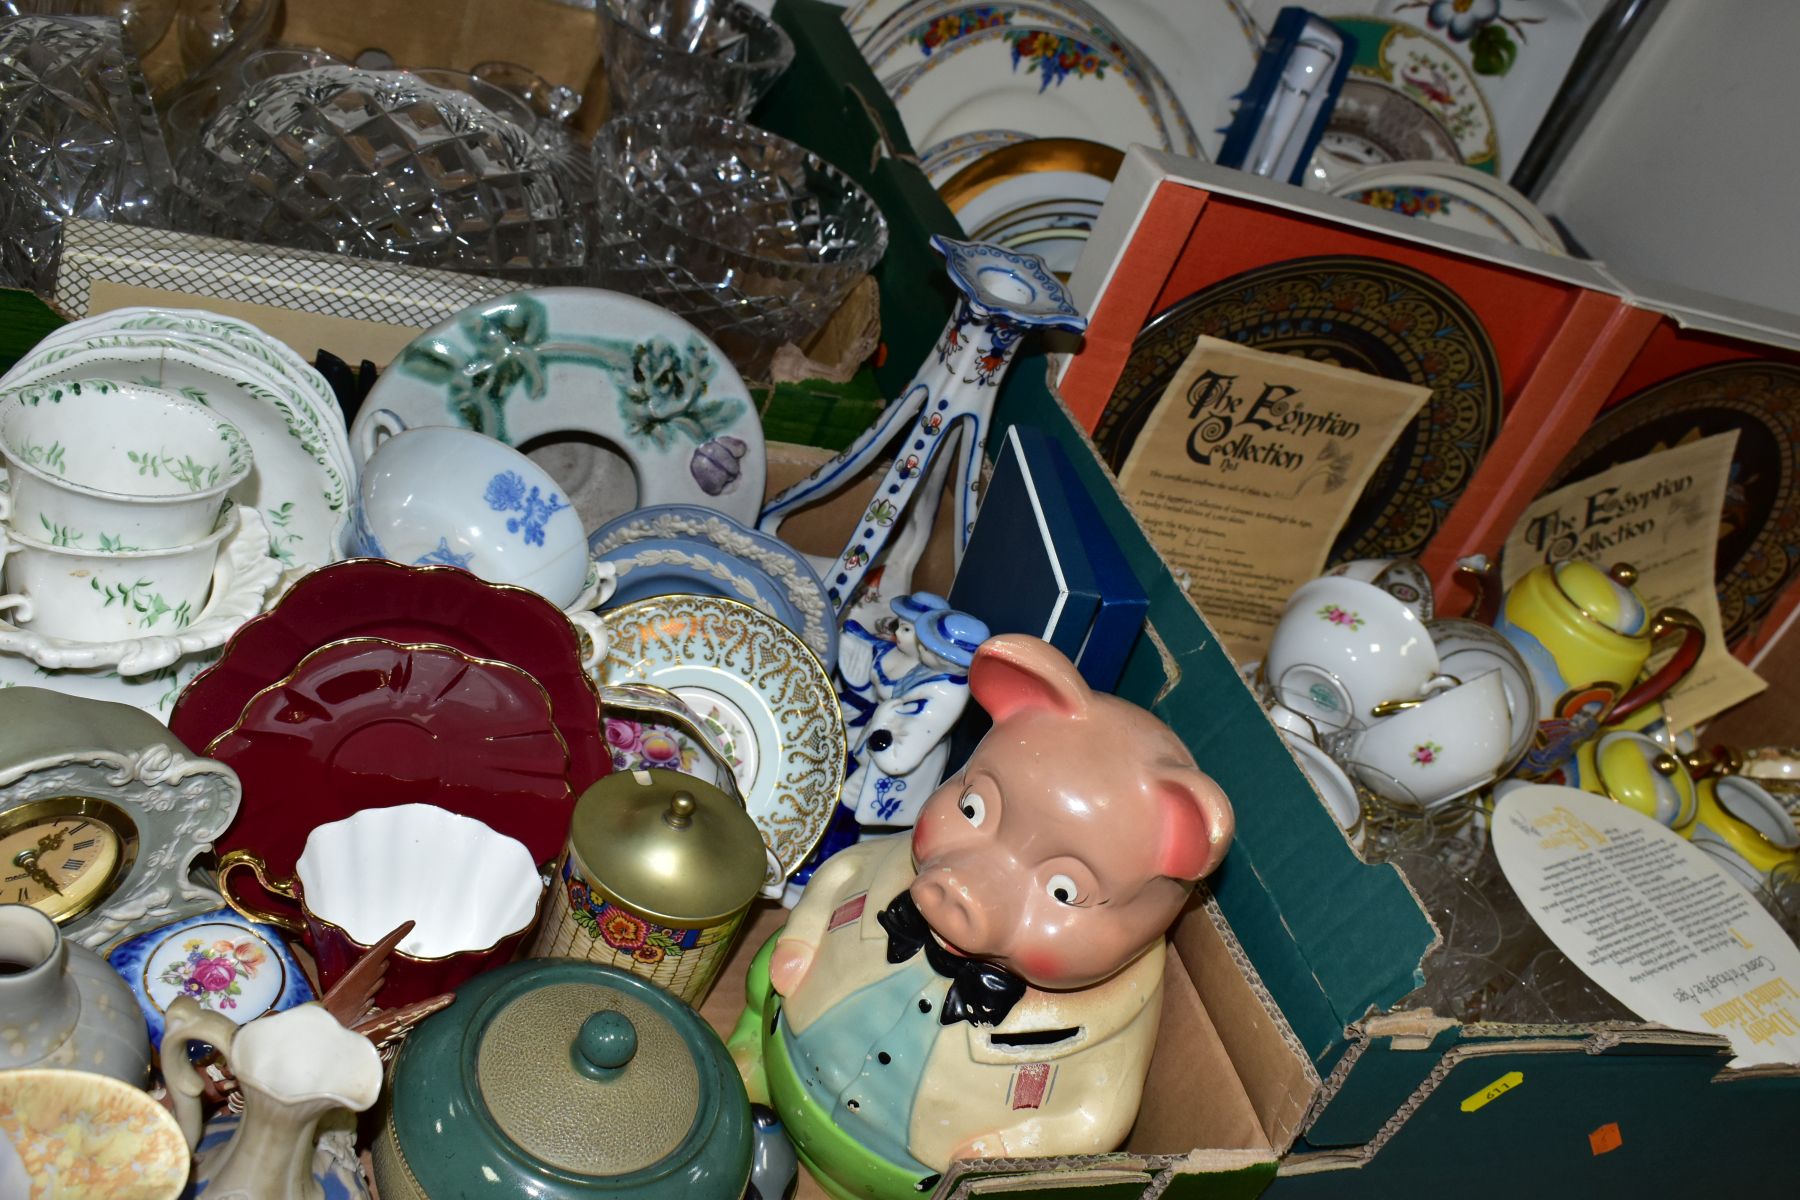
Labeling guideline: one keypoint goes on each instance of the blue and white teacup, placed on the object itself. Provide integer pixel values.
(446, 496)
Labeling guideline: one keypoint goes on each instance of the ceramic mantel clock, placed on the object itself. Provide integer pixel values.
(102, 812)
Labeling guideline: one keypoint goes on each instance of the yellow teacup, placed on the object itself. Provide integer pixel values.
(1748, 830)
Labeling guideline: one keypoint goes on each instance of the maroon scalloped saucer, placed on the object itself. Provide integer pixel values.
(370, 723)
(371, 597)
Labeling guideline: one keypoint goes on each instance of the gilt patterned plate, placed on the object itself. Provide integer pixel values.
(1365, 314)
(1759, 530)
(676, 548)
(562, 364)
(767, 695)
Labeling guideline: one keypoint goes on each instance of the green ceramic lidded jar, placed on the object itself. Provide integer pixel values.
(554, 1079)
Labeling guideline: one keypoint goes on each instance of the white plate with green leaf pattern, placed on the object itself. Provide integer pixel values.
(562, 365)
(244, 340)
(297, 483)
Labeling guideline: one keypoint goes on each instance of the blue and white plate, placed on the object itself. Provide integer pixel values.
(681, 549)
(229, 965)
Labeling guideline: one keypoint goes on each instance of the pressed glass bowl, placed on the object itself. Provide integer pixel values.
(386, 164)
(78, 138)
(701, 55)
(752, 238)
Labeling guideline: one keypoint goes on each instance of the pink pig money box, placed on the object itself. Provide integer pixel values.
(989, 986)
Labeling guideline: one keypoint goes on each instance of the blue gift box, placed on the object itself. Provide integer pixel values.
(1042, 561)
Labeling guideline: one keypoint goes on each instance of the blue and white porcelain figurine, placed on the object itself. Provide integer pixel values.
(900, 753)
(1005, 295)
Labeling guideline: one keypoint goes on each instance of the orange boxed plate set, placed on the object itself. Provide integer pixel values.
(466, 773)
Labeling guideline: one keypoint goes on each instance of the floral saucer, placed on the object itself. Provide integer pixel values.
(676, 548)
(750, 678)
(227, 964)
(533, 368)
(241, 582)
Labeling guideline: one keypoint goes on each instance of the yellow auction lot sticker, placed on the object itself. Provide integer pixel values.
(1492, 1091)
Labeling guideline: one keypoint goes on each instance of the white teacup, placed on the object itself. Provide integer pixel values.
(1468, 648)
(449, 496)
(113, 467)
(94, 596)
(1402, 578)
(1344, 646)
(1436, 749)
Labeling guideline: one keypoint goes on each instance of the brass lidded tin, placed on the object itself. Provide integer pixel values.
(659, 872)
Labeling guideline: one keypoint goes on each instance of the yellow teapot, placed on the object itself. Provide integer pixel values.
(1634, 770)
(1586, 636)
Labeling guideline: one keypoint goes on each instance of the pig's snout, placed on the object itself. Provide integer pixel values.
(955, 911)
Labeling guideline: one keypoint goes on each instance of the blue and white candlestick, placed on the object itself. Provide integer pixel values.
(1005, 295)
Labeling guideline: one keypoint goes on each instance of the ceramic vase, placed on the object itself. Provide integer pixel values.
(293, 1068)
(62, 1006)
(1003, 295)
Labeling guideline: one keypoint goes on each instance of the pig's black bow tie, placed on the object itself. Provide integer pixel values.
(980, 993)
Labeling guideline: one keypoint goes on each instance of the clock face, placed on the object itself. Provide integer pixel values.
(65, 854)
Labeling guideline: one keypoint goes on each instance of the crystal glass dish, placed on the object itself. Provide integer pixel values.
(78, 138)
(385, 164)
(747, 235)
(702, 55)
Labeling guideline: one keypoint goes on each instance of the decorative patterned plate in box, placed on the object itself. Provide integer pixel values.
(1759, 531)
(1365, 314)
(752, 678)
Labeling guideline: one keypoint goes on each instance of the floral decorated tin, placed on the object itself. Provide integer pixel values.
(659, 872)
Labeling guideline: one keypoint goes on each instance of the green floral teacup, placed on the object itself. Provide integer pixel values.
(112, 467)
(99, 596)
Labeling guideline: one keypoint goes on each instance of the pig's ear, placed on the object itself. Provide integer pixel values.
(1016, 673)
(1196, 823)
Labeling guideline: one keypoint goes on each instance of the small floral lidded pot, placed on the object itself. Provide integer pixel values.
(659, 871)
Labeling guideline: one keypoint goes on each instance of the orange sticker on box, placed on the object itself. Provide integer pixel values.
(1492, 1091)
(1606, 1138)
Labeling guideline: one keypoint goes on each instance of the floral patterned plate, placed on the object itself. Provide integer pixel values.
(371, 597)
(1040, 81)
(752, 681)
(928, 28)
(75, 1135)
(371, 723)
(562, 364)
(297, 483)
(227, 964)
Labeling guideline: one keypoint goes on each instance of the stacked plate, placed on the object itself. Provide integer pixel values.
(291, 505)
(1456, 197)
(1021, 112)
